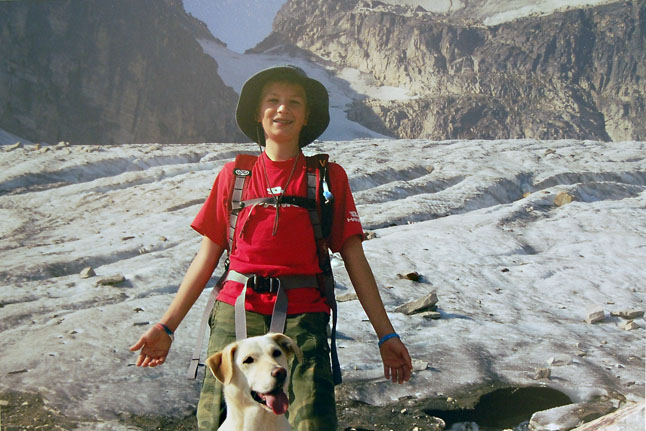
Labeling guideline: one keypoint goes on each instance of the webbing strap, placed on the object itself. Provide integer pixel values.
(197, 351)
(328, 275)
(279, 314)
(236, 198)
(240, 317)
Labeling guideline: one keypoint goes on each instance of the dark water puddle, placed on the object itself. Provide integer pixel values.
(505, 408)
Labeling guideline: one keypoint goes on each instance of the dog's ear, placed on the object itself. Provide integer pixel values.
(288, 345)
(221, 364)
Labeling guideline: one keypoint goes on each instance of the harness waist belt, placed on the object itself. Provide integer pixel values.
(262, 284)
(278, 285)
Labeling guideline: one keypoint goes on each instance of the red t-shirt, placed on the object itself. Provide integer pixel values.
(292, 251)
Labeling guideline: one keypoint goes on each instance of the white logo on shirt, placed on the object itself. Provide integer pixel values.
(353, 217)
(275, 190)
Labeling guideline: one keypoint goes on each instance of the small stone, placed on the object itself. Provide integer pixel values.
(419, 365)
(559, 361)
(13, 147)
(424, 303)
(111, 281)
(141, 323)
(346, 297)
(431, 315)
(403, 411)
(562, 199)
(549, 151)
(412, 276)
(87, 272)
(628, 314)
(568, 416)
(543, 373)
(581, 353)
(138, 310)
(595, 314)
(368, 235)
(630, 325)
(4, 403)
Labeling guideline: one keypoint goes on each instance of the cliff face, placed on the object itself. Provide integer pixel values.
(115, 71)
(573, 74)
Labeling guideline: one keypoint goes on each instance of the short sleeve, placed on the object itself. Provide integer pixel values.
(346, 222)
(212, 219)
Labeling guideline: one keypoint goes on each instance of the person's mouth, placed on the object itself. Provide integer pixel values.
(282, 121)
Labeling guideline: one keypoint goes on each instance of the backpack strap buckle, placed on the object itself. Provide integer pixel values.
(261, 284)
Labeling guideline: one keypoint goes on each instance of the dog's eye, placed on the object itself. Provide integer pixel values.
(277, 353)
(248, 360)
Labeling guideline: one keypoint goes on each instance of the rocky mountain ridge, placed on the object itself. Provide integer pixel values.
(96, 72)
(578, 73)
(133, 72)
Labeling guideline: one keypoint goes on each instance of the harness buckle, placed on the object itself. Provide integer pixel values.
(261, 284)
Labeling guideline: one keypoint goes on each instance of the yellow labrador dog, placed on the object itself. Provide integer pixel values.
(255, 376)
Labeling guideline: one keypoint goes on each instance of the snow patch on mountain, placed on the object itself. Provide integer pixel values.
(241, 24)
(235, 68)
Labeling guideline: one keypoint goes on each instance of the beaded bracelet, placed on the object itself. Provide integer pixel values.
(385, 338)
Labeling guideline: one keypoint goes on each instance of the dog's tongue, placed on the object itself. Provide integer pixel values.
(277, 401)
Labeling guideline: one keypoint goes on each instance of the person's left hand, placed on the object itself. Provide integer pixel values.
(397, 362)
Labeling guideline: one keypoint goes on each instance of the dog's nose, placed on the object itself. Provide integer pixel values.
(279, 373)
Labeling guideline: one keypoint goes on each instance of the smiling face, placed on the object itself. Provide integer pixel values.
(283, 112)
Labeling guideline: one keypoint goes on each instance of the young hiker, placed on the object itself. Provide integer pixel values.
(282, 110)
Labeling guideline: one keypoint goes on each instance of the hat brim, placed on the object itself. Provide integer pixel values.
(315, 93)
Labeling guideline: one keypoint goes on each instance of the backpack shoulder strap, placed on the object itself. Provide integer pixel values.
(318, 165)
(241, 173)
(320, 217)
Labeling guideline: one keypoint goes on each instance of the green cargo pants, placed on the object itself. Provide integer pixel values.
(311, 390)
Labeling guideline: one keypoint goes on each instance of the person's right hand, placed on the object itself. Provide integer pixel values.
(154, 345)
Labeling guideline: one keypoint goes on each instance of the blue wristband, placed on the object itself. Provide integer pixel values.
(385, 338)
(166, 330)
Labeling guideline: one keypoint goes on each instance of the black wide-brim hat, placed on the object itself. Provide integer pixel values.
(315, 93)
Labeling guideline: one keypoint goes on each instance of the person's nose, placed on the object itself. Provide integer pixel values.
(283, 108)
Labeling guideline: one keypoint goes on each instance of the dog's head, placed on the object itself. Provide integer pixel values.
(258, 368)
